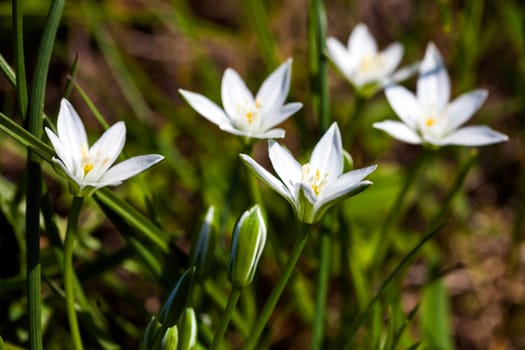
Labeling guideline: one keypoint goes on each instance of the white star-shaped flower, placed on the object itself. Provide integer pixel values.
(90, 168)
(244, 114)
(313, 187)
(429, 118)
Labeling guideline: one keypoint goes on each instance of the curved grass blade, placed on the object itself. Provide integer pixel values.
(400, 267)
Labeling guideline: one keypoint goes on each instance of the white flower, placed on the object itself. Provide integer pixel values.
(313, 187)
(429, 117)
(89, 167)
(362, 64)
(243, 114)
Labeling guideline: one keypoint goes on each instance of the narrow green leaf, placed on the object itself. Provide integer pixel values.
(21, 84)
(400, 267)
(435, 322)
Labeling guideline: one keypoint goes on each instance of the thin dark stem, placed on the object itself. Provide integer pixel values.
(267, 310)
(397, 207)
(69, 282)
(323, 275)
(227, 315)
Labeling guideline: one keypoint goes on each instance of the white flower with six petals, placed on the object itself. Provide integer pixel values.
(243, 114)
(313, 187)
(91, 168)
(363, 65)
(429, 117)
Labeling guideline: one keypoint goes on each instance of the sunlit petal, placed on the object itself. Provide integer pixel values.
(270, 180)
(71, 130)
(327, 155)
(129, 168)
(107, 149)
(433, 85)
(361, 43)
(404, 103)
(462, 108)
(233, 92)
(281, 114)
(339, 55)
(205, 107)
(284, 164)
(274, 89)
(474, 136)
(392, 57)
(398, 130)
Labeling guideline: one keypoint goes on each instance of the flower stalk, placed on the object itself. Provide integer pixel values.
(69, 283)
(226, 317)
(264, 316)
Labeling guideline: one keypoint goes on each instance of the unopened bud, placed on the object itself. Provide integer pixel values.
(249, 238)
(170, 341)
(188, 330)
(203, 242)
(173, 307)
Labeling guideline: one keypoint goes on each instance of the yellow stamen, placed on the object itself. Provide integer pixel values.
(87, 168)
(249, 116)
(429, 122)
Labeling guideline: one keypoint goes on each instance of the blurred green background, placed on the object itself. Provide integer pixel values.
(134, 55)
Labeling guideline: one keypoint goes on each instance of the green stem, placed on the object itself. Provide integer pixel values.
(34, 188)
(69, 283)
(318, 61)
(21, 85)
(363, 315)
(355, 119)
(460, 178)
(323, 275)
(396, 209)
(34, 178)
(256, 14)
(227, 315)
(278, 289)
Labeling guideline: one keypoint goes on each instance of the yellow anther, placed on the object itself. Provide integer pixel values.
(249, 116)
(258, 103)
(430, 121)
(87, 168)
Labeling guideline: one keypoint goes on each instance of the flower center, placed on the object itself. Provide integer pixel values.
(429, 122)
(90, 162)
(371, 64)
(249, 111)
(87, 168)
(315, 179)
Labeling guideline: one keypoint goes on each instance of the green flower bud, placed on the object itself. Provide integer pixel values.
(150, 334)
(188, 330)
(203, 242)
(170, 341)
(173, 307)
(249, 238)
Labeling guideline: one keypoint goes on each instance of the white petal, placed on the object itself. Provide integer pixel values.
(327, 155)
(280, 115)
(402, 74)
(399, 131)
(71, 131)
(274, 89)
(405, 104)
(128, 168)
(433, 85)
(107, 147)
(61, 150)
(265, 176)
(284, 164)
(205, 107)
(361, 43)
(270, 134)
(340, 193)
(474, 136)
(347, 180)
(462, 108)
(233, 91)
(392, 57)
(339, 56)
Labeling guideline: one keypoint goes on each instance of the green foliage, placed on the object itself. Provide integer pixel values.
(361, 277)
